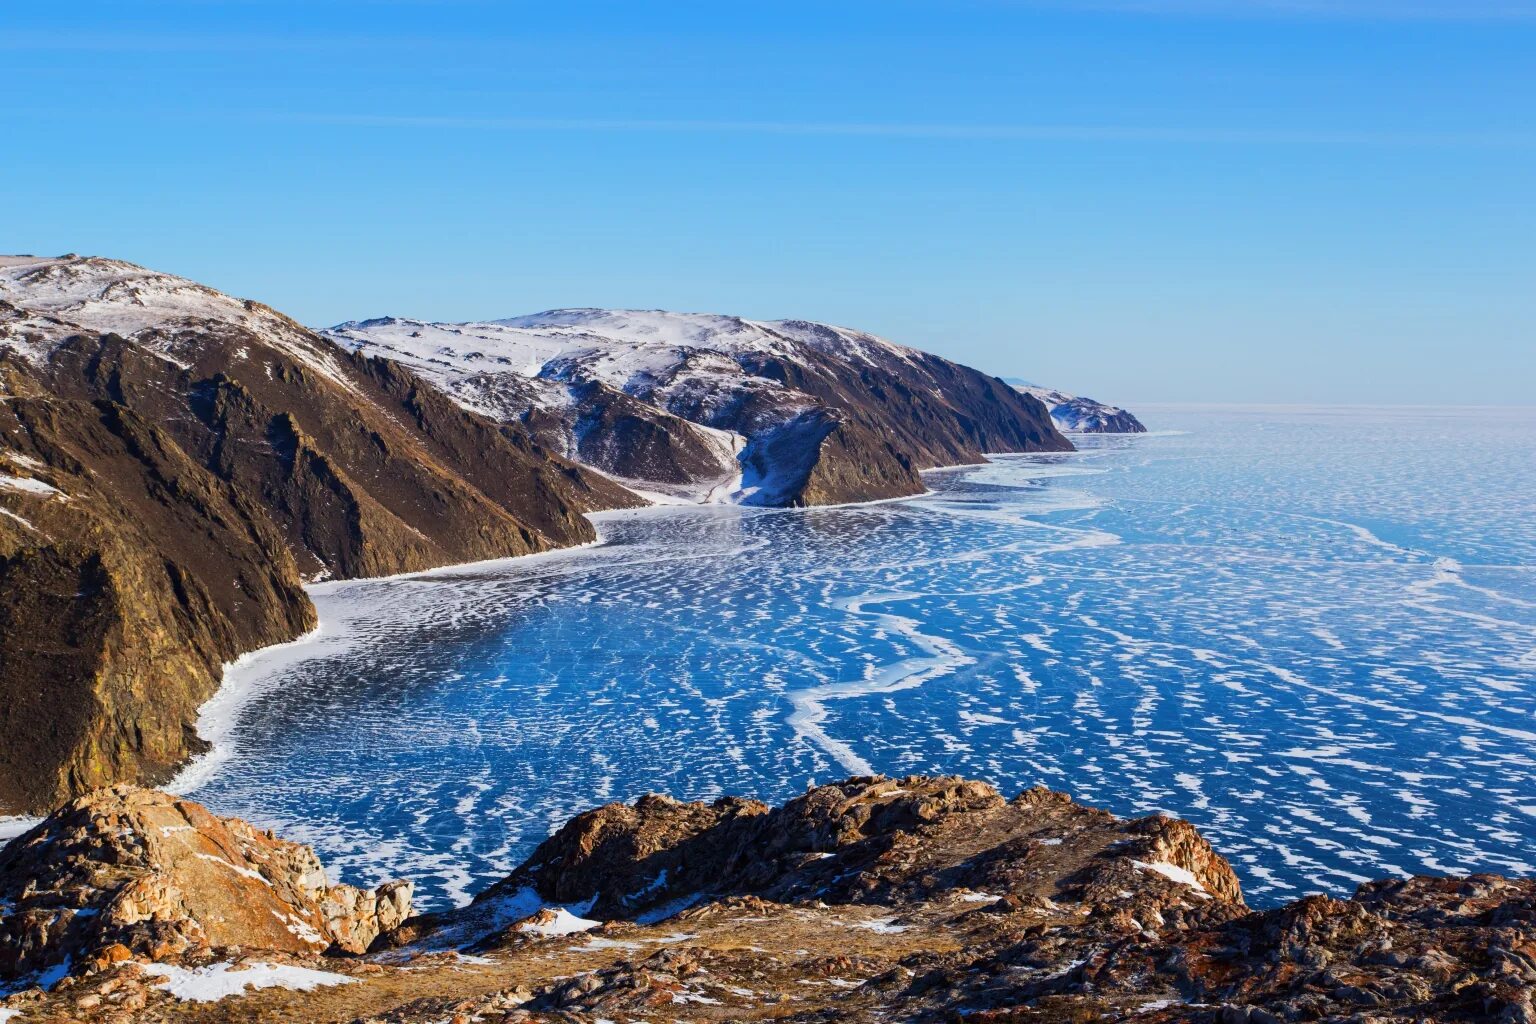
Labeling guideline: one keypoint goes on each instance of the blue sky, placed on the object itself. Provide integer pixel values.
(1145, 200)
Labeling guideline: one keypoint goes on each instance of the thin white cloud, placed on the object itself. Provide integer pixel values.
(49, 40)
(1373, 10)
(913, 130)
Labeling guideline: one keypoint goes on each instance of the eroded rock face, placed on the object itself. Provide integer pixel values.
(127, 872)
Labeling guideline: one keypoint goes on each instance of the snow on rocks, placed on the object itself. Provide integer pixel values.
(56, 298)
(881, 926)
(1174, 873)
(115, 874)
(749, 408)
(559, 921)
(634, 351)
(27, 485)
(217, 981)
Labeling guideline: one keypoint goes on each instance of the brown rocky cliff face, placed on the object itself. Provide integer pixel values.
(873, 425)
(854, 463)
(822, 415)
(817, 457)
(196, 471)
(937, 413)
(120, 597)
(636, 441)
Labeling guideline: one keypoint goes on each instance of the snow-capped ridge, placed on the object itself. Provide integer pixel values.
(59, 297)
(603, 384)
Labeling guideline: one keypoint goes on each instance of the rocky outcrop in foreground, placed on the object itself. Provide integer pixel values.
(129, 873)
(868, 900)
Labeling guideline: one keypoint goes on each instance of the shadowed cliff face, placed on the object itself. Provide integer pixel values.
(872, 899)
(163, 495)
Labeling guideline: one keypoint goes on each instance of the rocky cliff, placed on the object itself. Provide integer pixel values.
(720, 408)
(924, 899)
(174, 463)
(124, 873)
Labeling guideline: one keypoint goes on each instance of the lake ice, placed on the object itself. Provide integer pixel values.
(1312, 632)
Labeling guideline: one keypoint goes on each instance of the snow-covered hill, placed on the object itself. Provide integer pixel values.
(763, 412)
(56, 298)
(1084, 415)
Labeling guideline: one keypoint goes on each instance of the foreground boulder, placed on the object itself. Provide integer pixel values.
(939, 899)
(127, 872)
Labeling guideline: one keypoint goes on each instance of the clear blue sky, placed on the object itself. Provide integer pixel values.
(1256, 200)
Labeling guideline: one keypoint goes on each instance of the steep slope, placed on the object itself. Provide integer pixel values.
(173, 462)
(1074, 412)
(708, 407)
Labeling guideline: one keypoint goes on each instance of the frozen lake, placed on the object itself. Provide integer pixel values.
(1312, 632)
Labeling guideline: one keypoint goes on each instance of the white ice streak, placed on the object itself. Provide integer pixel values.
(810, 704)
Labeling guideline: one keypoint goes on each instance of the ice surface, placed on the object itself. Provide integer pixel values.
(1311, 633)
